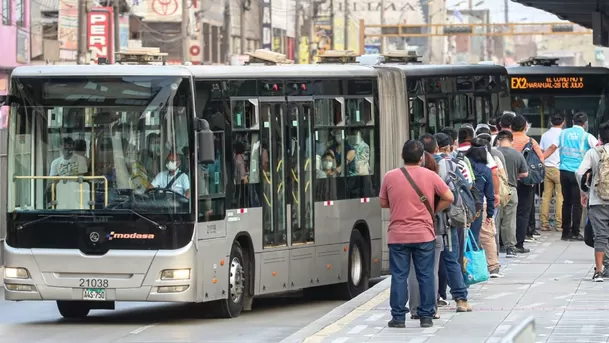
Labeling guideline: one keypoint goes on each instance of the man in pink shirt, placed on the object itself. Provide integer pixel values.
(413, 195)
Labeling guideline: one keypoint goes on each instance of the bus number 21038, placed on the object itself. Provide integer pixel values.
(95, 283)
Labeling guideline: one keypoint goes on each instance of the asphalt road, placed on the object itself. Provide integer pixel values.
(271, 320)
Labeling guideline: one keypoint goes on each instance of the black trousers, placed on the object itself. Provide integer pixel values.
(526, 196)
(531, 228)
(442, 278)
(571, 206)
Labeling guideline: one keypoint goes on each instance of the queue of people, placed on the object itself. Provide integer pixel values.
(503, 167)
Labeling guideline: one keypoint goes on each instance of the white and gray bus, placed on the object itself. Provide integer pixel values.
(98, 212)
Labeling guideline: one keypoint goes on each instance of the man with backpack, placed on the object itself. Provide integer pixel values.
(449, 172)
(596, 186)
(526, 186)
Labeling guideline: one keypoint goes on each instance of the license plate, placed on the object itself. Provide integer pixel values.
(98, 294)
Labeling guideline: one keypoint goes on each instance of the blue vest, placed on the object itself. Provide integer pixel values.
(573, 144)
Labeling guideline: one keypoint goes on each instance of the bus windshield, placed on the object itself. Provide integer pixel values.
(106, 143)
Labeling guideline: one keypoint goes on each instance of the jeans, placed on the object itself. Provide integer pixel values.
(423, 256)
(454, 272)
(525, 193)
(414, 295)
(442, 278)
(476, 226)
(571, 206)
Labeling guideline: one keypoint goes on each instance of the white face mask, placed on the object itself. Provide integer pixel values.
(172, 165)
(327, 164)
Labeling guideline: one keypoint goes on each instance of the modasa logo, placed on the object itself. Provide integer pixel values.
(113, 235)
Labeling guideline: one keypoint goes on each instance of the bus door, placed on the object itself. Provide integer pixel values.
(301, 166)
(275, 142)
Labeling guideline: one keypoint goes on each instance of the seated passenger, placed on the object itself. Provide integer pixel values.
(69, 164)
(173, 178)
(337, 148)
(328, 166)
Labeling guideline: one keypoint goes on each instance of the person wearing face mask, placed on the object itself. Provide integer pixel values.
(328, 166)
(337, 148)
(172, 178)
(361, 161)
(69, 163)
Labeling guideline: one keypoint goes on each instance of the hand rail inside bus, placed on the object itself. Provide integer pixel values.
(80, 180)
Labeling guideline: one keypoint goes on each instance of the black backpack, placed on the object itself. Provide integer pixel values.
(475, 194)
(537, 170)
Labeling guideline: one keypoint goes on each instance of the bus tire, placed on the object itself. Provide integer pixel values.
(357, 272)
(232, 306)
(73, 309)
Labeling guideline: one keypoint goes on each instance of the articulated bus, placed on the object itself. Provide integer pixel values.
(540, 87)
(444, 95)
(253, 205)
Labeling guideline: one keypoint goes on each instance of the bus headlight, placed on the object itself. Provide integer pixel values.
(175, 274)
(16, 273)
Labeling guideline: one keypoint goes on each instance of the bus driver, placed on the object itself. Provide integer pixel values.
(172, 178)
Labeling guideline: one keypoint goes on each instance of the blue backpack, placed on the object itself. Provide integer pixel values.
(462, 211)
(537, 170)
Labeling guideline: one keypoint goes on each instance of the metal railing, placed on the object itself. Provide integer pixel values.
(80, 180)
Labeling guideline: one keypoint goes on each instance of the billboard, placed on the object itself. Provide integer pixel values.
(67, 29)
(100, 37)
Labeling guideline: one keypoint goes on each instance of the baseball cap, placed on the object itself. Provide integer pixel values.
(443, 139)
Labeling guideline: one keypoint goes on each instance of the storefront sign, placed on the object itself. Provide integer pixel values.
(100, 34)
(267, 32)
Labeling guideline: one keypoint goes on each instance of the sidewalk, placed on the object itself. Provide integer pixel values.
(552, 283)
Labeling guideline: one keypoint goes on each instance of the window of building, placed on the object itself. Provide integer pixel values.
(6, 12)
(20, 11)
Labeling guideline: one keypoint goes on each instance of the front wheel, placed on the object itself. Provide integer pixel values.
(73, 309)
(237, 283)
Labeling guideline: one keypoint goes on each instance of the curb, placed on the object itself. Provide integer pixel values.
(338, 313)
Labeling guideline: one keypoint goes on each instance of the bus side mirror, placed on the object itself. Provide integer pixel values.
(205, 142)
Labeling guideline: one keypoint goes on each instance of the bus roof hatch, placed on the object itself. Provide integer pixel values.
(141, 56)
(402, 57)
(338, 57)
(267, 57)
(539, 61)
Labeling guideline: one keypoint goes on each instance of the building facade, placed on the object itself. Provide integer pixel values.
(15, 38)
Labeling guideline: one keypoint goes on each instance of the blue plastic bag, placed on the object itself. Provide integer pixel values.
(476, 268)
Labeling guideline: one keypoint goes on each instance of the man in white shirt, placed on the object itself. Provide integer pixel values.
(69, 164)
(551, 181)
(172, 178)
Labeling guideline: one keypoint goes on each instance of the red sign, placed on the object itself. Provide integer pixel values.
(100, 34)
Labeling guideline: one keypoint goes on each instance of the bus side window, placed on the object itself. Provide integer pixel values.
(211, 193)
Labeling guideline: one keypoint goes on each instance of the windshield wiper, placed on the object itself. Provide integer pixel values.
(159, 226)
(35, 221)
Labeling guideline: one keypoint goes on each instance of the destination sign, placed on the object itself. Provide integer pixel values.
(552, 83)
(555, 82)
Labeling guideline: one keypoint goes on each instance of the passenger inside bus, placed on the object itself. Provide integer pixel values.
(361, 160)
(69, 164)
(151, 155)
(328, 166)
(337, 148)
(173, 178)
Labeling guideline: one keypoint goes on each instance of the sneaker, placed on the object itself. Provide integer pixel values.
(502, 249)
(536, 233)
(396, 324)
(597, 277)
(463, 306)
(605, 273)
(426, 322)
(510, 253)
(529, 239)
(495, 274)
(442, 302)
(565, 238)
(522, 250)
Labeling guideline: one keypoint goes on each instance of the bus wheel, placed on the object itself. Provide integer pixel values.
(233, 305)
(73, 309)
(357, 280)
